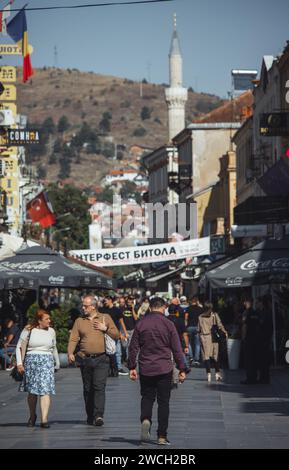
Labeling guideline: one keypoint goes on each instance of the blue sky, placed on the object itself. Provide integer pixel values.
(133, 41)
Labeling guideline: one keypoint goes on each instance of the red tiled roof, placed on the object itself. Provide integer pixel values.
(237, 110)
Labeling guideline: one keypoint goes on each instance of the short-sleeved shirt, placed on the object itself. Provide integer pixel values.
(115, 314)
(128, 318)
(179, 324)
(15, 331)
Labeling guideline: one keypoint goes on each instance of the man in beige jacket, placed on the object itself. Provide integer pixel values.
(89, 332)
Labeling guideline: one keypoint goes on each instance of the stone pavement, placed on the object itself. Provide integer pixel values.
(218, 416)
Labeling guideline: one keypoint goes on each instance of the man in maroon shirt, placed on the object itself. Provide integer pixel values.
(156, 340)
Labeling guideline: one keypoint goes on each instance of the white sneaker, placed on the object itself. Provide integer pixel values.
(219, 378)
(9, 368)
(209, 377)
(145, 430)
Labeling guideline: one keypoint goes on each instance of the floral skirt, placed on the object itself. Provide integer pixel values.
(39, 375)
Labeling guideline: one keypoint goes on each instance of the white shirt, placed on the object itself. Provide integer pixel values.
(41, 341)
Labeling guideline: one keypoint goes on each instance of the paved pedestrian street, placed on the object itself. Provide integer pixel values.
(218, 416)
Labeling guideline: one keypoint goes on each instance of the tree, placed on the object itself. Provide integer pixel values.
(129, 191)
(73, 201)
(145, 113)
(65, 169)
(108, 150)
(57, 146)
(104, 125)
(139, 132)
(63, 124)
(106, 195)
(48, 126)
(41, 170)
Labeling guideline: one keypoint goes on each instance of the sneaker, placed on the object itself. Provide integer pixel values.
(209, 377)
(90, 421)
(98, 421)
(163, 441)
(9, 368)
(219, 378)
(122, 372)
(145, 430)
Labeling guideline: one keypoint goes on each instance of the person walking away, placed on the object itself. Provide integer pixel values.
(264, 310)
(154, 341)
(117, 317)
(184, 340)
(89, 332)
(210, 348)
(251, 336)
(38, 340)
(192, 320)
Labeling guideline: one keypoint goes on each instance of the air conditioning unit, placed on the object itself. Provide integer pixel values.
(6, 117)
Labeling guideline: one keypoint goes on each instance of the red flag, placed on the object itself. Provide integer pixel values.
(40, 210)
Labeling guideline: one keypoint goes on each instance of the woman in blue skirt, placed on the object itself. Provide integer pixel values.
(38, 340)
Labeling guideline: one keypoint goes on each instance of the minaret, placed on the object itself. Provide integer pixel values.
(176, 95)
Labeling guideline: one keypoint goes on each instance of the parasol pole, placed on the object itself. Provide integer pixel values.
(274, 325)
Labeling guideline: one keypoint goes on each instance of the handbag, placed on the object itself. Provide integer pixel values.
(15, 374)
(110, 346)
(217, 334)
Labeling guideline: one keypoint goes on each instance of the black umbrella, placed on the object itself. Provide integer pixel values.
(50, 269)
(10, 279)
(265, 263)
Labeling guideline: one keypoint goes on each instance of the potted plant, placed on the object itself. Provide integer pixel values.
(234, 347)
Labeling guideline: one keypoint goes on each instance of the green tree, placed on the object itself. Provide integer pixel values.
(106, 195)
(139, 132)
(104, 125)
(41, 170)
(65, 168)
(63, 124)
(48, 126)
(145, 113)
(73, 201)
(129, 191)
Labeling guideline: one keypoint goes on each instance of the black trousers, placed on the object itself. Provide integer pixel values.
(152, 387)
(94, 372)
(212, 362)
(251, 359)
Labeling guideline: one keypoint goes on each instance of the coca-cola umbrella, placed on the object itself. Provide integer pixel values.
(10, 279)
(264, 264)
(50, 269)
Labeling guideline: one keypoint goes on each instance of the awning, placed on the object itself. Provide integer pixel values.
(164, 275)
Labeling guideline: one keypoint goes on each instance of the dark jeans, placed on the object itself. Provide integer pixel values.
(94, 373)
(156, 386)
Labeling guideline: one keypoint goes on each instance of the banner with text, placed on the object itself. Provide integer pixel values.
(145, 253)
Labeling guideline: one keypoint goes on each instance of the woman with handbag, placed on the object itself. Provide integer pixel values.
(37, 358)
(209, 328)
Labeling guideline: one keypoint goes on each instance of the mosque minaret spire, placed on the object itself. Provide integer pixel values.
(176, 94)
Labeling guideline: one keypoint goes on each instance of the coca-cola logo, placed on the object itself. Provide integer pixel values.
(30, 266)
(234, 281)
(277, 263)
(56, 279)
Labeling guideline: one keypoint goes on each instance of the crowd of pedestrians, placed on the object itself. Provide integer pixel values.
(155, 340)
